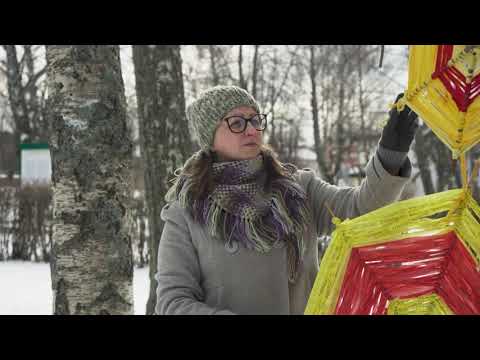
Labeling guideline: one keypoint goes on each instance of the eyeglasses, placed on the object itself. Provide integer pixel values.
(238, 124)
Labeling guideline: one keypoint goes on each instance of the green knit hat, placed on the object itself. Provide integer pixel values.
(212, 105)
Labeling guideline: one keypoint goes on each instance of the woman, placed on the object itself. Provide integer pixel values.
(240, 234)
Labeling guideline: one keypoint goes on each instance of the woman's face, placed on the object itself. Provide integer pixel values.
(237, 146)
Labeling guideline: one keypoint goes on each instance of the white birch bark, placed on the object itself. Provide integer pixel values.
(92, 265)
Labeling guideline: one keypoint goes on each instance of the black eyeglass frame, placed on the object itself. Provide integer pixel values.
(246, 122)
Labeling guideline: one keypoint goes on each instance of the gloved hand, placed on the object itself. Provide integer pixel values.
(400, 129)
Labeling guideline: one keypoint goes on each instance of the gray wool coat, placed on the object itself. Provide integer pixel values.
(199, 275)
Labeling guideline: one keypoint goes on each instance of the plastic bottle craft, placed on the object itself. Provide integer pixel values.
(443, 89)
(419, 256)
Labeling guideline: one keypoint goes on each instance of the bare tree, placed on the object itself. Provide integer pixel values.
(25, 98)
(220, 65)
(340, 104)
(422, 160)
(364, 65)
(319, 145)
(342, 74)
(28, 124)
(213, 65)
(289, 137)
(92, 265)
(431, 150)
(255, 62)
(274, 79)
(475, 156)
(164, 137)
(241, 79)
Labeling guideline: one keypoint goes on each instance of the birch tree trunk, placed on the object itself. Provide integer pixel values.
(92, 264)
(164, 136)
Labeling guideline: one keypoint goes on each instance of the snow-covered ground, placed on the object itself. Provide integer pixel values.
(25, 289)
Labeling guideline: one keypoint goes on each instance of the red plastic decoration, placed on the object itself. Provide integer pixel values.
(410, 268)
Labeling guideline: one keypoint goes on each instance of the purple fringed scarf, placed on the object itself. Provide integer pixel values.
(241, 209)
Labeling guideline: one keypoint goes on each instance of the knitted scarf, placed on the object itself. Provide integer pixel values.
(244, 208)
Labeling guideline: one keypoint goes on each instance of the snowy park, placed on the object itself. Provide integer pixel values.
(26, 289)
(239, 179)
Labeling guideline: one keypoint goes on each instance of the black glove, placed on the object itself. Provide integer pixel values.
(400, 129)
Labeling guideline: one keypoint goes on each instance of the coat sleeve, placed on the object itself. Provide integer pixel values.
(379, 188)
(178, 277)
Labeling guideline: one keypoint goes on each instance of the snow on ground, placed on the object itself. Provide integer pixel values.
(25, 288)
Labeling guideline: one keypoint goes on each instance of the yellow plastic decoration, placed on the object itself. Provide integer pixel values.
(430, 304)
(441, 213)
(443, 89)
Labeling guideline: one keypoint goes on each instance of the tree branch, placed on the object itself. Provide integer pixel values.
(34, 79)
(3, 67)
(276, 95)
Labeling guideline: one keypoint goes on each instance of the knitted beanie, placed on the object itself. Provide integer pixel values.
(212, 105)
